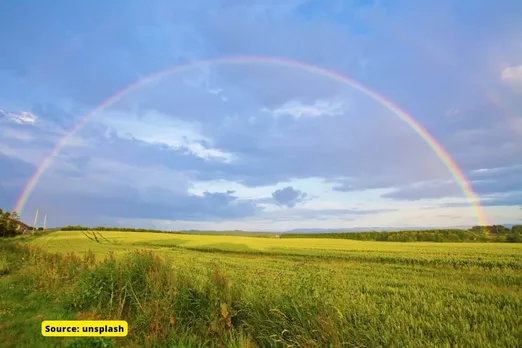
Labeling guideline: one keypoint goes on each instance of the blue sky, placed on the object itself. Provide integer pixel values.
(261, 146)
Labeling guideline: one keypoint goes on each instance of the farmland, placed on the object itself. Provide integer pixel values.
(201, 290)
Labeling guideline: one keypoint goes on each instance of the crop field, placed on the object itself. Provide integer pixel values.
(237, 291)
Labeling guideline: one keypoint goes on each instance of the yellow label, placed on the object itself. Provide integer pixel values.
(85, 328)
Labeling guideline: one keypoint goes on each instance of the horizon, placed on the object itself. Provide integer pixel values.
(298, 230)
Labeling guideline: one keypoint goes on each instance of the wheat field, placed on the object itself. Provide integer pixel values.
(253, 291)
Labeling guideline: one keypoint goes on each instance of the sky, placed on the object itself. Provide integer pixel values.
(246, 135)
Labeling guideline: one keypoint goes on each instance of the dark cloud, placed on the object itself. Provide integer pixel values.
(506, 199)
(425, 190)
(152, 203)
(487, 147)
(482, 137)
(288, 196)
(495, 181)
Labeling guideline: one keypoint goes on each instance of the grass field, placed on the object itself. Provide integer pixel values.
(205, 290)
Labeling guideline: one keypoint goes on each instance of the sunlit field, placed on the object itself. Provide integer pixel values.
(483, 255)
(204, 290)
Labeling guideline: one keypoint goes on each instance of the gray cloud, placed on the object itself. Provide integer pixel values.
(288, 196)
(152, 203)
(483, 137)
(425, 190)
(505, 199)
(495, 186)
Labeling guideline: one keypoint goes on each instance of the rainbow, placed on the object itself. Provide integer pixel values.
(441, 153)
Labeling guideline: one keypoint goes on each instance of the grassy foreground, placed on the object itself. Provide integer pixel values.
(194, 290)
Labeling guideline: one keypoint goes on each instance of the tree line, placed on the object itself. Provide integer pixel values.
(493, 233)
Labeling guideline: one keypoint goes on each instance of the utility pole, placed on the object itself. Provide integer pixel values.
(35, 220)
(45, 220)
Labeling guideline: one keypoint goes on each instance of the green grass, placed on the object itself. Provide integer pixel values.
(4, 265)
(248, 291)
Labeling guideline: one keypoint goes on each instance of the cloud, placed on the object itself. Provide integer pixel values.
(494, 186)
(297, 109)
(155, 128)
(513, 198)
(481, 137)
(512, 76)
(288, 196)
(425, 190)
(508, 199)
(497, 180)
(22, 117)
(124, 201)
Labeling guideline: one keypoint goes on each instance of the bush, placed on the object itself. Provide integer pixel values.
(514, 238)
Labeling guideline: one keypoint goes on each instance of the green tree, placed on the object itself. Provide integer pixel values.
(516, 229)
(9, 225)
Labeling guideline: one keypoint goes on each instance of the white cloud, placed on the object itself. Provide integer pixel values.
(297, 109)
(512, 76)
(22, 117)
(156, 128)
(495, 170)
